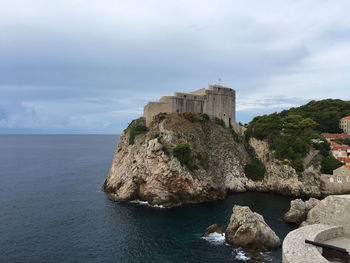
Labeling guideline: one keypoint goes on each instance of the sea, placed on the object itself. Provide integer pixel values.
(52, 209)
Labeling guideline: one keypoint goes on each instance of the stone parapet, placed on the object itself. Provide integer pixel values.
(294, 249)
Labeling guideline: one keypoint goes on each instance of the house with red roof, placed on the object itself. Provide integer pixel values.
(341, 151)
(344, 124)
(344, 160)
(332, 136)
(334, 144)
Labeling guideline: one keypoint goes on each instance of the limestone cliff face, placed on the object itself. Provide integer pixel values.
(145, 168)
(282, 178)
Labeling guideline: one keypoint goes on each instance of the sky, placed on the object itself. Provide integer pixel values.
(83, 66)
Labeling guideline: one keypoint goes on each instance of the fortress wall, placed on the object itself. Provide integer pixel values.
(153, 108)
(199, 92)
(217, 101)
(182, 105)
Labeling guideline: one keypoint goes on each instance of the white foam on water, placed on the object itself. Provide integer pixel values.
(139, 202)
(240, 255)
(215, 238)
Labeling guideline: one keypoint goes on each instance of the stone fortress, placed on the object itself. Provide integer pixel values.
(217, 101)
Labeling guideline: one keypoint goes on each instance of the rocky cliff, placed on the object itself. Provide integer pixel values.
(188, 158)
(280, 177)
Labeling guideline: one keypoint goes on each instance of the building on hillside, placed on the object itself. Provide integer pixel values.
(334, 144)
(338, 182)
(344, 124)
(217, 101)
(341, 151)
(332, 136)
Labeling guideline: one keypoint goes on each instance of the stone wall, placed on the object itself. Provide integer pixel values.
(330, 184)
(334, 211)
(294, 249)
(217, 101)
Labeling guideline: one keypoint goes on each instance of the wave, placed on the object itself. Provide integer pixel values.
(240, 255)
(215, 238)
(139, 202)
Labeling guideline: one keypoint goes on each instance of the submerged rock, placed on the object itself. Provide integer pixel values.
(299, 209)
(249, 231)
(214, 228)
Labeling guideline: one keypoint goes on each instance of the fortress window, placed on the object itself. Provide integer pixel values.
(184, 96)
(195, 97)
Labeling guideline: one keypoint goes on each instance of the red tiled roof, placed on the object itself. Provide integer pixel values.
(342, 148)
(347, 166)
(344, 159)
(335, 135)
(334, 144)
(346, 118)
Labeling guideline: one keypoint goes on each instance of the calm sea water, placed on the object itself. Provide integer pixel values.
(52, 209)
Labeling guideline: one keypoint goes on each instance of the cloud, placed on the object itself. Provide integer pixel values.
(92, 66)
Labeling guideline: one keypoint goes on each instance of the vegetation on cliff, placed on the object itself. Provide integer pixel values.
(182, 152)
(290, 132)
(326, 113)
(136, 127)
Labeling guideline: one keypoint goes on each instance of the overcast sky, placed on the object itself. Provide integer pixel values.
(83, 66)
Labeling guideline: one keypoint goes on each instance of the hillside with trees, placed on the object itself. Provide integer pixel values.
(290, 132)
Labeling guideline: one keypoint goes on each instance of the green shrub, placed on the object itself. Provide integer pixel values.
(182, 152)
(329, 164)
(220, 122)
(166, 150)
(159, 117)
(132, 134)
(190, 116)
(135, 129)
(298, 165)
(255, 170)
(204, 160)
(205, 116)
(234, 135)
(324, 147)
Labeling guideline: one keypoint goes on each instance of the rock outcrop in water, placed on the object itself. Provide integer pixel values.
(187, 158)
(249, 231)
(214, 228)
(299, 210)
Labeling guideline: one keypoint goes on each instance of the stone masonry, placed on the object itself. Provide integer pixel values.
(295, 250)
(217, 101)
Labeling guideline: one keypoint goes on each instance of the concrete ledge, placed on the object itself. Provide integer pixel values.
(294, 249)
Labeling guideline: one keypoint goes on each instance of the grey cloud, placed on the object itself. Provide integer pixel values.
(93, 66)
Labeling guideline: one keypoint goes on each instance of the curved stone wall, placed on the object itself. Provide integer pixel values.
(294, 249)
